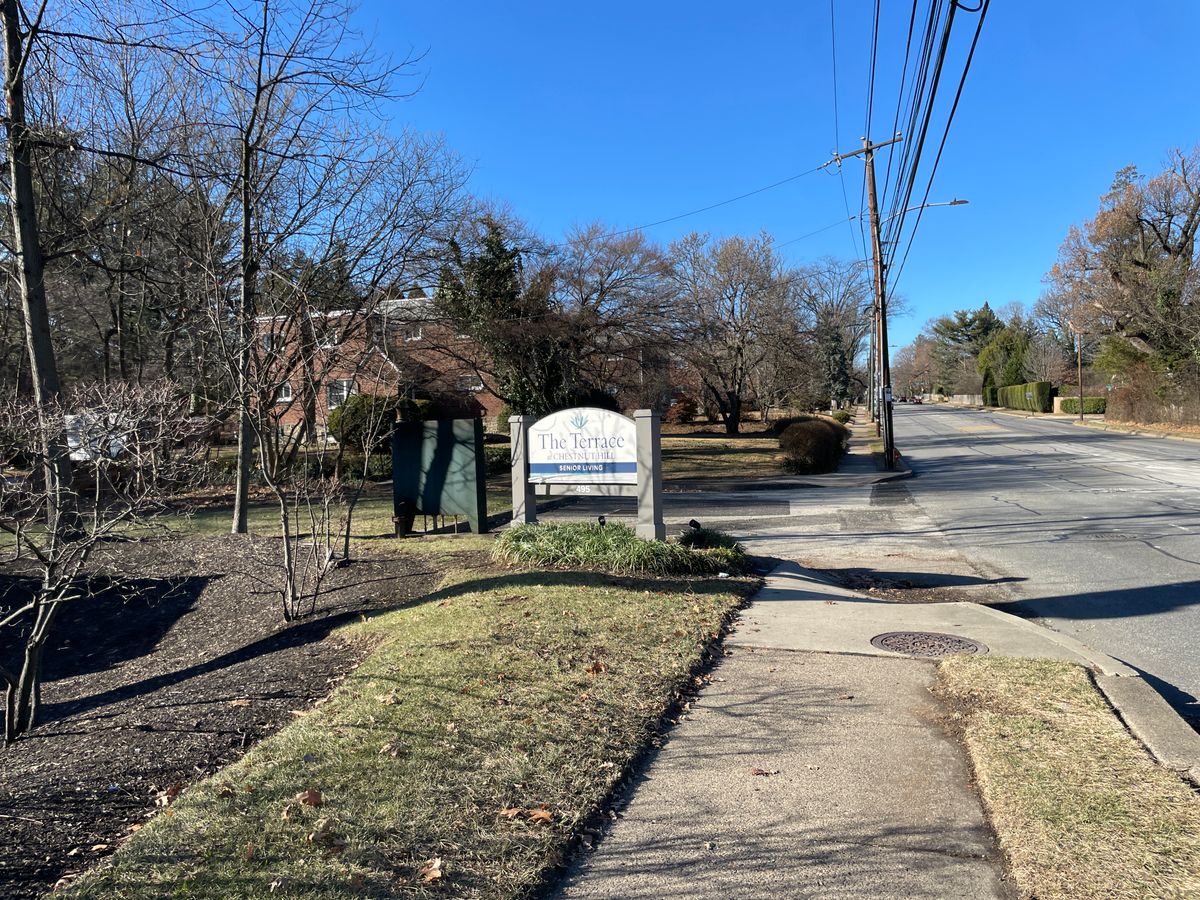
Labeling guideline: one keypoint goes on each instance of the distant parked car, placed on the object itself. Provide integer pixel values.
(916, 400)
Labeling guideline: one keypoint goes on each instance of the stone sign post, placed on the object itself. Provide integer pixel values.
(589, 452)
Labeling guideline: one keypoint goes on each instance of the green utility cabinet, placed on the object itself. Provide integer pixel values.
(438, 470)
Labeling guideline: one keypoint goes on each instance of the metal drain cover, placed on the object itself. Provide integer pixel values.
(926, 643)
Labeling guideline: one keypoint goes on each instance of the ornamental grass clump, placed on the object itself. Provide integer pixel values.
(611, 548)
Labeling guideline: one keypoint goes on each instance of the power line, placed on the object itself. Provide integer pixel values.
(982, 10)
(860, 246)
(819, 230)
(926, 120)
(718, 204)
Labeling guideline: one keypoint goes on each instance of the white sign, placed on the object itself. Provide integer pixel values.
(583, 446)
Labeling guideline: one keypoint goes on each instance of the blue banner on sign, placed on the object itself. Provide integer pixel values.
(582, 468)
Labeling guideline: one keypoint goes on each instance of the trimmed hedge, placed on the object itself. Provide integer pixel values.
(815, 446)
(841, 416)
(1092, 406)
(1038, 399)
(990, 396)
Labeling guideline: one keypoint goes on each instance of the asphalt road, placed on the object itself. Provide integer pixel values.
(1094, 534)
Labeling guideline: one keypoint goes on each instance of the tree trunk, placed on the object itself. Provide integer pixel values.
(28, 249)
(733, 414)
(245, 445)
(25, 695)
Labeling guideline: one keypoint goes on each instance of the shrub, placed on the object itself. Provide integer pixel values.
(779, 426)
(497, 459)
(815, 446)
(502, 426)
(840, 416)
(1092, 406)
(1034, 396)
(364, 417)
(990, 396)
(681, 412)
(612, 548)
(708, 539)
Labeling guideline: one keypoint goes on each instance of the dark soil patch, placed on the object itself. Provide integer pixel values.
(162, 679)
(908, 590)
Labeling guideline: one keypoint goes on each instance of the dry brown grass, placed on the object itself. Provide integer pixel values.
(718, 456)
(1081, 809)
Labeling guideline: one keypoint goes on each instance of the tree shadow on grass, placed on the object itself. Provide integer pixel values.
(317, 629)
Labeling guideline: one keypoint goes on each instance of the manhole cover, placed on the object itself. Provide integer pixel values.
(926, 643)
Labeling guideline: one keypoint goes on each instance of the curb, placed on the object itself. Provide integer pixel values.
(1153, 722)
(1108, 666)
(1139, 432)
(781, 483)
(1170, 739)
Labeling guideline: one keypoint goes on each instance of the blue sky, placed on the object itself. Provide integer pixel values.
(629, 113)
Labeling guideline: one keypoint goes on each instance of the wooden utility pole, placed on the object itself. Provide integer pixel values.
(883, 369)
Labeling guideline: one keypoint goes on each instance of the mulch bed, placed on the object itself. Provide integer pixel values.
(161, 680)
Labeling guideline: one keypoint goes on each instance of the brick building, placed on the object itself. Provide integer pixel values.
(397, 349)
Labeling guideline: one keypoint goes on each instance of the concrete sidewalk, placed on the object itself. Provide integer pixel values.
(815, 764)
(865, 796)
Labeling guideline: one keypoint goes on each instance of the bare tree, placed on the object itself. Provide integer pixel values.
(287, 110)
(126, 443)
(732, 298)
(1046, 359)
(835, 297)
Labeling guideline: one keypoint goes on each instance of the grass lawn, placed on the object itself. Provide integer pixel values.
(372, 515)
(488, 725)
(1081, 809)
(721, 456)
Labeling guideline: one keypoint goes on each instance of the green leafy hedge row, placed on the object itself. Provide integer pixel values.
(1033, 396)
(1092, 406)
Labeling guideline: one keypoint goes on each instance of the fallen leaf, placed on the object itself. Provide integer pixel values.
(511, 812)
(391, 698)
(242, 702)
(134, 827)
(831, 603)
(763, 772)
(277, 884)
(431, 871)
(324, 836)
(541, 816)
(596, 668)
(167, 794)
(249, 852)
(392, 748)
(286, 814)
(310, 797)
(96, 848)
(226, 791)
(357, 881)
(845, 696)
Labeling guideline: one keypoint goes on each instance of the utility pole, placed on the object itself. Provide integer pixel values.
(883, 400)
(1079, 368)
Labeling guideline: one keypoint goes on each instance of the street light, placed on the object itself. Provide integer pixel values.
(954, 202)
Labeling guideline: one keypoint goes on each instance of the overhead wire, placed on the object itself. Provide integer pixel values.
(982, 10)
(859, 245)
